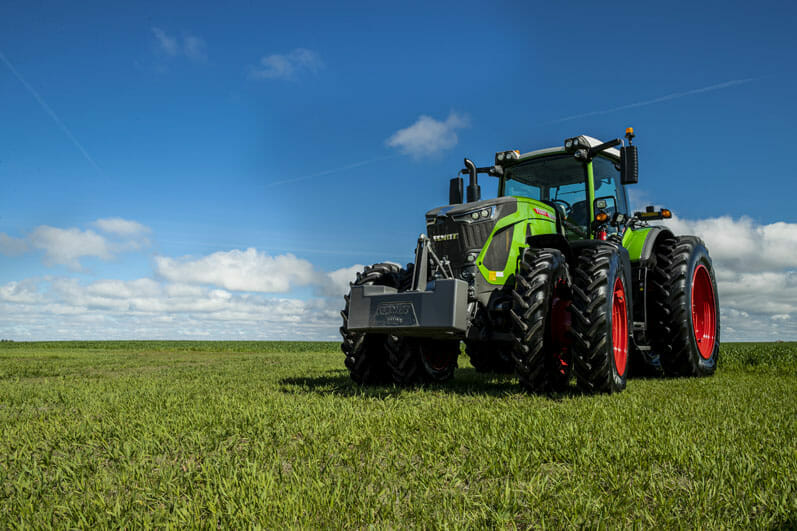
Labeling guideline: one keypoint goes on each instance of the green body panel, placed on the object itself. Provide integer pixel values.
(525, 220)
(634, 241)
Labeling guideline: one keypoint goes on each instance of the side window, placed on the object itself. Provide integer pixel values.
(607, 182)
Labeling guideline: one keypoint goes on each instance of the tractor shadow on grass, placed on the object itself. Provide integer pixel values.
(466, 382)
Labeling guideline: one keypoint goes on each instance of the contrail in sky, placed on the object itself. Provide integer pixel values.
(328, 172)
(668, 97)
(49, 111)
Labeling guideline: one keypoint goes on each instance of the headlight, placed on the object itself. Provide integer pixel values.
(475, 215)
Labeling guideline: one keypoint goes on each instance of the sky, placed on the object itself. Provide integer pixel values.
(207, 170)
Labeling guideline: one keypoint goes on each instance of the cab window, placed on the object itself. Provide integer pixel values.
(607, 183)
(557, 180)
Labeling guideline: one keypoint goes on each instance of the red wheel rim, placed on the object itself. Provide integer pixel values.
(619, 327)
(704, 312)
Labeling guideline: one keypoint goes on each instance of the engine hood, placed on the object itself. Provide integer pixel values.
(504, 206)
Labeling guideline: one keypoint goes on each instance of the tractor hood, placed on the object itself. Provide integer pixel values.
(459, 231)
(503, 206)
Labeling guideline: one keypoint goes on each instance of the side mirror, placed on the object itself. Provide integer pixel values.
(606, 204)
(629, 165)
(455, 191)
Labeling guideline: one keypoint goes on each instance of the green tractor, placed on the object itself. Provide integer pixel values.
(553, 278)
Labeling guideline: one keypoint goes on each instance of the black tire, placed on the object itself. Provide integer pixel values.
(415, 361)
(683, 287)
(486, 356)
(599, 365)
(538, 364)
(366, 354)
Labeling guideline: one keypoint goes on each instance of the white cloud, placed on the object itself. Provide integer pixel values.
(64, 308)
(194, 48)
(744, 245)
(287, 66)
(67, 246)
(25, 291)
(189, 46)
(337, 282)
(121, 227)
(166, 43)
(237, 270)
(11, 246)
(428, 136)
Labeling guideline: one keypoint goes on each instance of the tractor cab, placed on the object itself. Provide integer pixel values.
(578, 189)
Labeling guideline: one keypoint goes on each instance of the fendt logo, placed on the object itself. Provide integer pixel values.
(445, 237)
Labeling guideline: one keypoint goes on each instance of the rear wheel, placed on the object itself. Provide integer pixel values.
(685, 308)
(418, 361)
(601, 319)
(538, 310)
(366, 354)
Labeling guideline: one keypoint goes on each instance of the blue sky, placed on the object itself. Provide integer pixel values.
(157, 161)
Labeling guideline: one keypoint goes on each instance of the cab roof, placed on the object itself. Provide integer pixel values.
(613, 153)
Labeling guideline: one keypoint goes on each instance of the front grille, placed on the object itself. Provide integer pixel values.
(470, 237)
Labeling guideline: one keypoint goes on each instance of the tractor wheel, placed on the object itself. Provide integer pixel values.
(685, 319)
(538, 311)
(489, 357)
(417, 361)
(366, 355)
(601, 315)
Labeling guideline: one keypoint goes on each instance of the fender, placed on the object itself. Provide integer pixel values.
(553, 241)
(641, 242)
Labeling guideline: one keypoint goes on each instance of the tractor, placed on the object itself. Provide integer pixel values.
(552, 279)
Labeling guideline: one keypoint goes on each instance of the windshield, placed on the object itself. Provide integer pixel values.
(560, 180)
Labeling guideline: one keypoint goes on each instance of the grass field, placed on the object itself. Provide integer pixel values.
(206, 434)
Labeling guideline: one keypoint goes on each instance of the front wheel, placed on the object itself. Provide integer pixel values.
(538, 313)
(418, 361)
(366, 354)
(601, 318)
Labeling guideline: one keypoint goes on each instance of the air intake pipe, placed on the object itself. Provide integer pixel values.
(474, 191)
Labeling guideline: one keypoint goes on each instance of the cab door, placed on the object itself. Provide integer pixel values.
(606, 182)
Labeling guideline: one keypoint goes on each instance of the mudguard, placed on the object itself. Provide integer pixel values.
(641, 242)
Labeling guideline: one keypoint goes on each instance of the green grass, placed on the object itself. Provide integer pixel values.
(127, 434)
